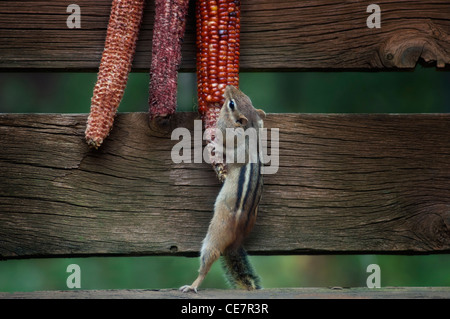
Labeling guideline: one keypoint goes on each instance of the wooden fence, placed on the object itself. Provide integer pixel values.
(346, 183)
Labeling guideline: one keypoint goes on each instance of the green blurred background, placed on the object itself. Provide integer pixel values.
(423, 90)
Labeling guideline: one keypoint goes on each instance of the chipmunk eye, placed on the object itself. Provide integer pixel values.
(231, 105)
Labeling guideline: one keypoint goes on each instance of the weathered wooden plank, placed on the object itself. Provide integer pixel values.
(272, 293)
(345, 184)
(276, 34)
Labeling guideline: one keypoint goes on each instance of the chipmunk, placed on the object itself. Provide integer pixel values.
(236, 205)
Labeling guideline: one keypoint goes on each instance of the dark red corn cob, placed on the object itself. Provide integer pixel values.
(120, 44)
(218, 34)
(170, 22)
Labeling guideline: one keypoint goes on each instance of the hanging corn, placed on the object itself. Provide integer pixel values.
(115, 65)
(218, 34)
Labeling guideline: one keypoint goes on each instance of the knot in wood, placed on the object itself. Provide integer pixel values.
(405, 50)
(433, 228)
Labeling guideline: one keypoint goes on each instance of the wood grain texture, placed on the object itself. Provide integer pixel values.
(346, 184)
(272, 293)
(275, 34)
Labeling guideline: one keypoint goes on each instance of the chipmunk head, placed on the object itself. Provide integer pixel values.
(238, 110)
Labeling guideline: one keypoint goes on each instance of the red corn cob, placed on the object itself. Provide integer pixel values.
(218, 30)
(120, 44)
(168, 34)
(218, 34)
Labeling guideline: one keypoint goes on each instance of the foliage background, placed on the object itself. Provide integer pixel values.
(423, 90)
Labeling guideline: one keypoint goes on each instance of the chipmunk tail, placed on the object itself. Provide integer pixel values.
(239, 271)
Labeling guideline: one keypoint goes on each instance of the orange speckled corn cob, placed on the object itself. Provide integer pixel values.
(218, 41)
(120, 44)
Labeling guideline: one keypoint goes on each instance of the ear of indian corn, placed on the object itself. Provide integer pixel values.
(218, 43)
(169, 26)
(115, 65)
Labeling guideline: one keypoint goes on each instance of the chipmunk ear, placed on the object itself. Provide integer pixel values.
(242, 120)
(261, 113)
